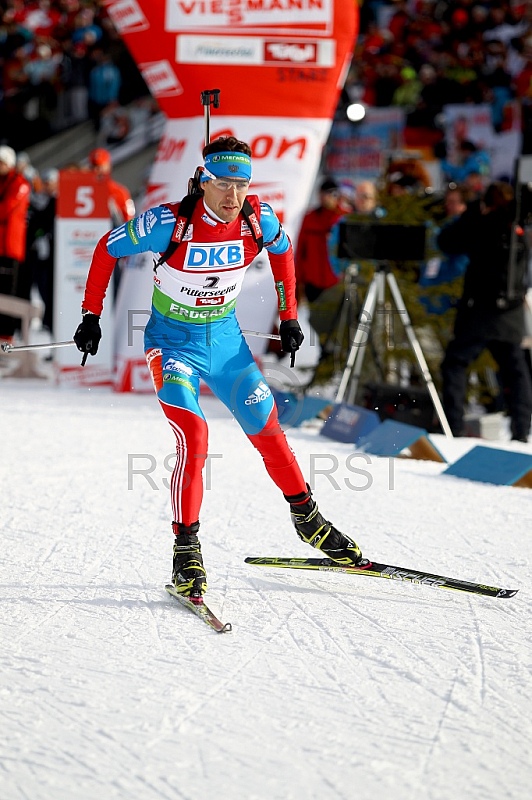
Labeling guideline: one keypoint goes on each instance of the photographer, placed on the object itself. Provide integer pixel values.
(490, 313)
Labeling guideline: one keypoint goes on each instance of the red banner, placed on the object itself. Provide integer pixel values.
(271, 57)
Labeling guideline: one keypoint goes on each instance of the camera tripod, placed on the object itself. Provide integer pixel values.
(374, 303)
(343, 324)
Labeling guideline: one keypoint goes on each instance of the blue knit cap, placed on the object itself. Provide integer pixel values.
(229, 164)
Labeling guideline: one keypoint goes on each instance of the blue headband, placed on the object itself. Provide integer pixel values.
(227, 165)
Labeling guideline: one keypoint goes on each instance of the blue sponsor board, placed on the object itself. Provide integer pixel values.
(293, 410)
(348, 423)
(490, 465)
(394, 438)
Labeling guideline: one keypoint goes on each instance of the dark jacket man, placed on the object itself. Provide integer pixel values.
(490, 314)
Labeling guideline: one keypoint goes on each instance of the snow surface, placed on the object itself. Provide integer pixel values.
(329, 686)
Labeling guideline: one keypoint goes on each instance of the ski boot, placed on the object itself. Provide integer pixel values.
(313, 529)
(188, 576)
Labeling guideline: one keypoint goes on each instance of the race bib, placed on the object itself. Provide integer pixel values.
(214, 257)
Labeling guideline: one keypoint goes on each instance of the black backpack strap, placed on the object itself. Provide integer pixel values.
(253, 224)
(184, 215)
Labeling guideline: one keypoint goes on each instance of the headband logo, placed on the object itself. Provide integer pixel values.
(233, 168)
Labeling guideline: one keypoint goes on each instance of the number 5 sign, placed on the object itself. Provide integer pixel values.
(82, 219)
(82, 195)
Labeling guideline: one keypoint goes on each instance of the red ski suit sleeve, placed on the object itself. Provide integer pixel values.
(284, 274)
(99, 276)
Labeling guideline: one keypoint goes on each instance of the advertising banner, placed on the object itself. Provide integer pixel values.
(272, 57)
(279, 65)
(82, 219)
(360, 152)
(474, 123)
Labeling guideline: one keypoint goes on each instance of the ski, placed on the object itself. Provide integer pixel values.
(376, 570)
(201, 610)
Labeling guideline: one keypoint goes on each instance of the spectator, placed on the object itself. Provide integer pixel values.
(85, 30)
(346, 196)
(39, 18)
(399, 20)
(431, 98)
(491, 313)
(365, 200)
(47, 50)
(104, 85)
(455, 201)
(408, 94)
(445, 268)
(75, 69)
(476, 183)
(313, 269)
(28, 171)
(386, 82)
(14, 201)
(115, 125)
(470, 158)
(42, 70)
(364, 203)
(501, 26)
(40, 242)
(121, 205)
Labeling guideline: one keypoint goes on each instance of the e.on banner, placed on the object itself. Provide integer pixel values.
(279, 65)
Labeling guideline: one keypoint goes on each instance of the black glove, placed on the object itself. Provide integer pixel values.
(291, 337)
(88, 334)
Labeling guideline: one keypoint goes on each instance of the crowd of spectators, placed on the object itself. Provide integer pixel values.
(61, 62)
(424, 54)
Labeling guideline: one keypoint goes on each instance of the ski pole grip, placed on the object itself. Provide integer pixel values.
(211, 96)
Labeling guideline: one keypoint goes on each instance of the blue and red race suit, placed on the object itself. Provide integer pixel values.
(193, 334)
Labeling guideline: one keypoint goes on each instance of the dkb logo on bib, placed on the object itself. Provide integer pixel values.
(209, 256)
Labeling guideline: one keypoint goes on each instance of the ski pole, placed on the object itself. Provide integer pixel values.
(9, 348)
(207, 97)
(263, 335)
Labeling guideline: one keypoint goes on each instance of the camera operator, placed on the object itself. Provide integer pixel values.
(490, 313)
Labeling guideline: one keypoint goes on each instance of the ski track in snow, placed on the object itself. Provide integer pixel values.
(330, 686)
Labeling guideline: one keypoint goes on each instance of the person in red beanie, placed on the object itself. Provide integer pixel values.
(14, 201)
(121, 205)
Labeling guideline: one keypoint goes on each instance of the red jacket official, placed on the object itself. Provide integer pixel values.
(14, 202)
(312, 258)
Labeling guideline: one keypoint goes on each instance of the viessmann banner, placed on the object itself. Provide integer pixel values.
(279, 65)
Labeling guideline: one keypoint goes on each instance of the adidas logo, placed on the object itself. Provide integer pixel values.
(258, 395)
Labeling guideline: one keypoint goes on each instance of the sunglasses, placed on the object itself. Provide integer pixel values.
(224, 184)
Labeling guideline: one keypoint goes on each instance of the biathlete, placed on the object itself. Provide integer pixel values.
(204, 246)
